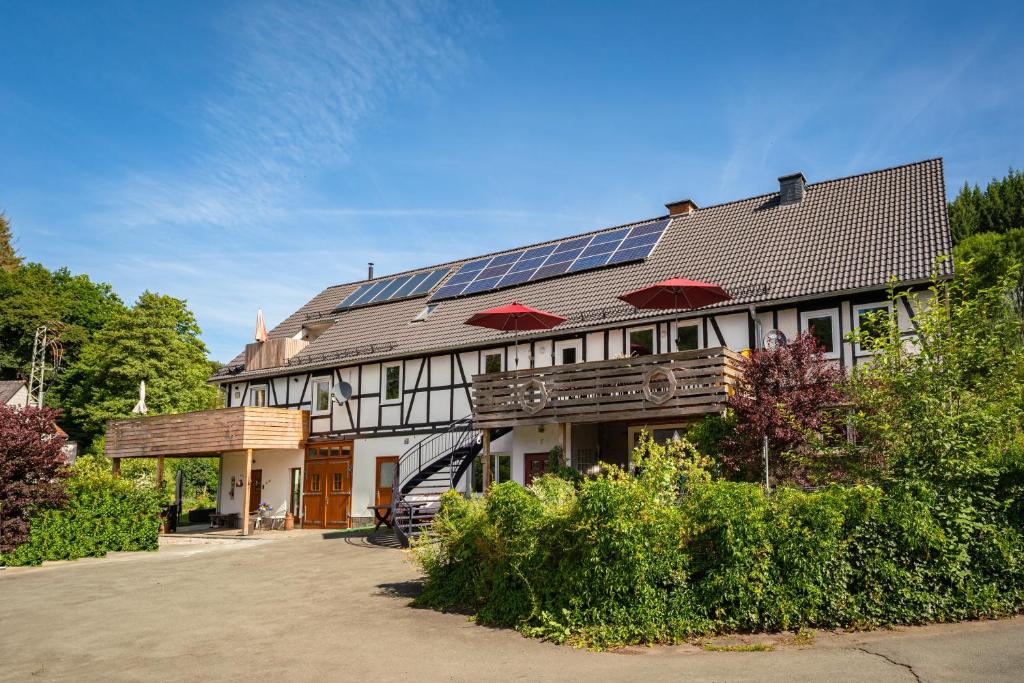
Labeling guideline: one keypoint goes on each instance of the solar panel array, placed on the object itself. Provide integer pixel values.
(538, 263)
(400, 287)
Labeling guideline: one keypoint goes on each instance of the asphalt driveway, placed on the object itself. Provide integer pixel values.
(306, 607)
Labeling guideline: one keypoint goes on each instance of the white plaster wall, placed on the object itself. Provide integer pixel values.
(364, 467)
(735, 329)
(530, 440)
(789, 322)
(595, 346)
(276, 466)
(615, 344)
(542, 353)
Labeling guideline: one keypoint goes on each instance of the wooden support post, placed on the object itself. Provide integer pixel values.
(487, 459)
(246, 490)
(566, 444)
(116, 468)
(220, 479)
(160, 476)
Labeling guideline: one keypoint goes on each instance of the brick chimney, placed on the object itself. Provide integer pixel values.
(791, 188)
(681, 207)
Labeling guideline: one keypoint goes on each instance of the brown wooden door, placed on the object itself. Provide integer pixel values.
(313, 495)
(536, 465)
(386, 466)
(327, 494)
(255, 489)
(339, 494)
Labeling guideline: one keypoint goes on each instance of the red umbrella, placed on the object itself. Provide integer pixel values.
(676, 293)
(515, 317)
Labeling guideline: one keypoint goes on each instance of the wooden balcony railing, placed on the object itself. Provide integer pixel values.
(670, 385)
(207, 432)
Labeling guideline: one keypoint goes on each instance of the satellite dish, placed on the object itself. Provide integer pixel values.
(774, 339)
(341, 392)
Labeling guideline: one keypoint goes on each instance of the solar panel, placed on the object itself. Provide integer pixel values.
(569, 256)
(399, 287)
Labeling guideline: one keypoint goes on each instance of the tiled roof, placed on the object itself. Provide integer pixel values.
(847, 234)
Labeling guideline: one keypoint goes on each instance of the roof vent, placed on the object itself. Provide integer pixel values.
(369, 270)
(681, 207)
(791, 188)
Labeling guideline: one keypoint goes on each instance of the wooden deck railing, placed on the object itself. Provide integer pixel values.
(207, 432)
(687, 383)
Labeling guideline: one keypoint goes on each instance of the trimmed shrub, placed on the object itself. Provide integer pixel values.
(101, 514)
(670, 554)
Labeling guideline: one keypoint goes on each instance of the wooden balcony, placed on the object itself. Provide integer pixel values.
(671, 385)
(207, 432)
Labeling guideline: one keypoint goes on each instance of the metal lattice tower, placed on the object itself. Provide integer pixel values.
(47, 338)
(38, 376)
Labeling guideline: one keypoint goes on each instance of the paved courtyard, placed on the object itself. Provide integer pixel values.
(309, 607)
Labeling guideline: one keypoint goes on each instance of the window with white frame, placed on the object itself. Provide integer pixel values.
(493, 362)
(641, 342)
(687, 335)
(871, 320)
(824, 325)
(568, 351)
(392, 389)
(321, 395)
(258, 395)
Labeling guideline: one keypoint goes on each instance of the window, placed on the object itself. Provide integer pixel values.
(872, 320)
(568, 351)
(824, 325)
(492, 362)
(336, 482)
(641, 342)
(314, 484)
(296, 491)
(393, 382)
(687, 336)
(321, 396)
(258, 396)
(502, 470)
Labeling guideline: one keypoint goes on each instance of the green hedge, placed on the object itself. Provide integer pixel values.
(102, 514)
(621, 559)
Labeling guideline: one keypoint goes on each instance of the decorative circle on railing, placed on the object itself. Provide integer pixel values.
(533, 396)
(659, 385)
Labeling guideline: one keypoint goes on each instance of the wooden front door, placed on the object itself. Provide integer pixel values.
(327, 487)
(255, 489)
(386, 467)
(536, 465)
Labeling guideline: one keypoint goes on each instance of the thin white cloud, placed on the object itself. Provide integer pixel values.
(302, 80)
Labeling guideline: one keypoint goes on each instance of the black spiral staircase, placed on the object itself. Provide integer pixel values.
(428, 470)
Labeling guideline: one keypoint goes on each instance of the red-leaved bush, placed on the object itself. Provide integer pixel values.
(32, 469)
(785, 394)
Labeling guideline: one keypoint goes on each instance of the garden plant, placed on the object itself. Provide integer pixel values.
(928, 527)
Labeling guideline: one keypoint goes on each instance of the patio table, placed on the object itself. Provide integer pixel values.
(381, 515)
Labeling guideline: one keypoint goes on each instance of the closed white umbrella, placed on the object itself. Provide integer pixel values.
(140, 407)
(261, 327)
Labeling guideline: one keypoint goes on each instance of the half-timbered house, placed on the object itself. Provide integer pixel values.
(401, 399)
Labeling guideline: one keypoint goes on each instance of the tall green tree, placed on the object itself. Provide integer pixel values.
(156, 340)
(997, 259)
(1000, 207)
(9, 259)
(31, 295)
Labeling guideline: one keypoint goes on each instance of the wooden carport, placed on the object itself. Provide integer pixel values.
(208, 433)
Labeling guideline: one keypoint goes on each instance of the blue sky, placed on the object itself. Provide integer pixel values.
(247, 154)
